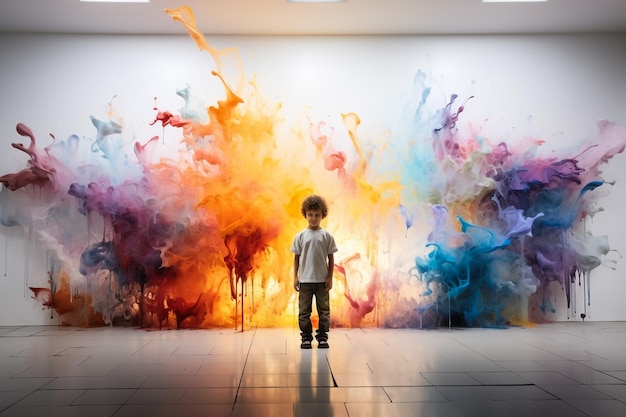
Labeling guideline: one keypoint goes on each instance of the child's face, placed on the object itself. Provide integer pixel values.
(314, 217)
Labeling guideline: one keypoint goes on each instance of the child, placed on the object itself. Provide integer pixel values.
(313, 266)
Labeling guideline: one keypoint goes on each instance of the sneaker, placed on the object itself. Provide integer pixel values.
(306, 344)
(323, 344)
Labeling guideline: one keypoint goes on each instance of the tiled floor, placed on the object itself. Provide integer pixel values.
(552, 370)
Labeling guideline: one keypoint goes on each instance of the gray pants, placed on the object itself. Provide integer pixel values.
(305, 306)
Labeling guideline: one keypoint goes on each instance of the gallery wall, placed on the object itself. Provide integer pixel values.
(543, 88)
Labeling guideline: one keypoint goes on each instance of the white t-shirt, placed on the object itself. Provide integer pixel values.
(313, 246)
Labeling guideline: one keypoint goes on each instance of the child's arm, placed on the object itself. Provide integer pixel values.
(331, 269)
(296, 265)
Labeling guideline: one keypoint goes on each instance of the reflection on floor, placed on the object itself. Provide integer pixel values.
(556, 370)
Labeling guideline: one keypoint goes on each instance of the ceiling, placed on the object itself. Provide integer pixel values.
(352, 17)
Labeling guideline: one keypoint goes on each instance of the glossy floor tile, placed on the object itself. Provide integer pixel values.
(560, 369)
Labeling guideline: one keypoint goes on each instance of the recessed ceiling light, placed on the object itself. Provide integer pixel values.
(115, 1)
(514, 1)
(316, 1)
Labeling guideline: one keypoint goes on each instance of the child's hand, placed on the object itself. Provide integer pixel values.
(328, 284)
(296, 285)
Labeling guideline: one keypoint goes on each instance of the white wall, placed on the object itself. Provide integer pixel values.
(556, 87)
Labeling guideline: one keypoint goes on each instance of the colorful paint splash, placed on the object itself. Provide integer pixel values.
(436, 224)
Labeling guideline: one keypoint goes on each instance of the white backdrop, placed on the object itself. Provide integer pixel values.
(556, 87)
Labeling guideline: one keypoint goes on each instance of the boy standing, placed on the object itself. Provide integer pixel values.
(313, 266)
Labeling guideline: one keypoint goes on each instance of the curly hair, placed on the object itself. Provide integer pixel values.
(314, 202)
